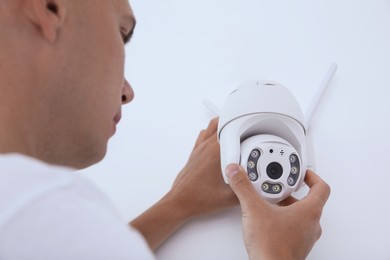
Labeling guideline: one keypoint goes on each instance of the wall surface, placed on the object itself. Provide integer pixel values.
(184, 51)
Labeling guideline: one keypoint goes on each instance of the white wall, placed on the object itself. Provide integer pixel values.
(184, 51)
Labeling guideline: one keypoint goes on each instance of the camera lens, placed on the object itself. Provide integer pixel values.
(274, 170)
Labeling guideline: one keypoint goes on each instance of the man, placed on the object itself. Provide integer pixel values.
(62, 87)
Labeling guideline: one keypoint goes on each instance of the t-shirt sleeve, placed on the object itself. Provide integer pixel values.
(74, 221)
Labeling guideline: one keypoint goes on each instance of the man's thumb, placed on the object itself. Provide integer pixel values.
(240, 183)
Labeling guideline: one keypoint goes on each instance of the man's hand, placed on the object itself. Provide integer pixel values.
(285, 231)
(198, 189)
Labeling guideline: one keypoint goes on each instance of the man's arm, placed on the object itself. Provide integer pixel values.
(198, 189)
(160, 221)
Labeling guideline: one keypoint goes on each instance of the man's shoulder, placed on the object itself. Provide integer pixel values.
(25, 182)
(47, 209)
(17, 168)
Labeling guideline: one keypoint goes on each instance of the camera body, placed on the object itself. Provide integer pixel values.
(262, 127)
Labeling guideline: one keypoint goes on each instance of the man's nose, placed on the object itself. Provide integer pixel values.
(127, 93)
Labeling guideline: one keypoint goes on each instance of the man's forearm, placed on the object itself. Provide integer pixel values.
(160, 221)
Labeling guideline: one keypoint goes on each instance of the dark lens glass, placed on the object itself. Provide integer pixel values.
(274, 170)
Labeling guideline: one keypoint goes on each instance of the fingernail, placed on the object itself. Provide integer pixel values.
(232, 169)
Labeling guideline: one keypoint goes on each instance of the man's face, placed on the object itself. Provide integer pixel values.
(87, 78)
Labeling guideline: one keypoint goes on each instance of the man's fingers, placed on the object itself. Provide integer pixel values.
(200, 138)
(241, 185)
(211, 128)
(206, 133)
(288, 201)
(319, 189)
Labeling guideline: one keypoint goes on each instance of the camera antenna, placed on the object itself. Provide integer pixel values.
(311, 158)
(213, 108)
(319, 95)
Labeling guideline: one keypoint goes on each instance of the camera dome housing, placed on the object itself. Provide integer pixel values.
(264, 116)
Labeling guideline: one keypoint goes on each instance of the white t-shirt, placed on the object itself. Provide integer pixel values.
(50, 212)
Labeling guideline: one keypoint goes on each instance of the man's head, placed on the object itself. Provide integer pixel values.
(62, 77)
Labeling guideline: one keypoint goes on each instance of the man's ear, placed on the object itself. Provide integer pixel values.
(47, 15)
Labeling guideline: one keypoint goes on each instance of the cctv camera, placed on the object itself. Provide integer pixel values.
(262, 128)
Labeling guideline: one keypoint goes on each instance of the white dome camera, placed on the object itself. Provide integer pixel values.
(262, 127)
